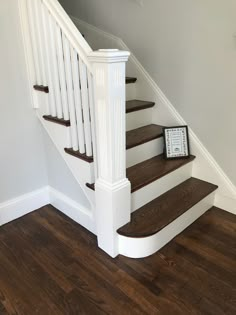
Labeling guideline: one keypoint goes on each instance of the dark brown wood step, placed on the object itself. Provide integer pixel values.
(153, 169)
(134, 138)
(131, 106)
(144, 173)
(79, 155)
(56, 120)
(41, 88)
(142, 135)
(163, 210)
(129, 80)
(136, 105)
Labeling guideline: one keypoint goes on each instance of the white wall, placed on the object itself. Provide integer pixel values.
(188, 48)
(22, 158)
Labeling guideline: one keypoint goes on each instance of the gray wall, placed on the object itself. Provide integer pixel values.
(59, 175)
(22, 158)
(188, 48)
(28, 158)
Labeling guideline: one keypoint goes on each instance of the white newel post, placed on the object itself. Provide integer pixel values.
(112, 188)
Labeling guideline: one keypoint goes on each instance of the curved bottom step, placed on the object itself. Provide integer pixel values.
(173, 212)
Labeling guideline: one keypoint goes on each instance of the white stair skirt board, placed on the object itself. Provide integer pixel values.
(146, 246)
(130, 91)
(72, 209)
(225, 203)
(22, 205)
(144, 152)
(146, 194)
(138, 119)
(81, 170)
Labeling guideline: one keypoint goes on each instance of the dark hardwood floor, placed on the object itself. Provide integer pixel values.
(49, 265)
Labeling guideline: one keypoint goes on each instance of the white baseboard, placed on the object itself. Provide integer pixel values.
(20, 206)
(225, 203)
(72, 209)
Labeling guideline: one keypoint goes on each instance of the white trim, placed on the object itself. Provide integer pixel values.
(22, 205)
(205, 166)
(225, 203)
(72, 209)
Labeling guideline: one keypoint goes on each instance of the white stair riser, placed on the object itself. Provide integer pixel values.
(130, 91)
(138, 119)
(143, 247)
(155, 189)
(144, 152)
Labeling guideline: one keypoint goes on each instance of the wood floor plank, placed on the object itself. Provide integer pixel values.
(49, 265)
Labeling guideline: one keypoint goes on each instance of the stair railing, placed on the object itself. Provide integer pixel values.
(86, 88)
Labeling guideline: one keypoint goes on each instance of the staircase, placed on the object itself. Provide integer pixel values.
(139, 201)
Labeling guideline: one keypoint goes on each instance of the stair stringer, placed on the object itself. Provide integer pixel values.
(82, 171)
(205, 166)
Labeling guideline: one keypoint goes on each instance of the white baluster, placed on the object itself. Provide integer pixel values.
(62, 75)
(30, 7)
(40, 39)
(85, 104)
(112, 188)
(49, 73)
(77, 96)
(74, 136)
(54, 65)
(91, 106)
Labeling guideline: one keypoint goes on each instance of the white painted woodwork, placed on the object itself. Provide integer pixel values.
(49, 74)
(92, 115)
(32, 27)
(69, 30)
(82, 171)
(86, 110)
(78, 101)
(138, 119)
(144, 152)
(40, 39)
(155, 189)
(54, 65)
(62, 75)
(29, 58)
(71, 102)
(112, 188)
(146, 246)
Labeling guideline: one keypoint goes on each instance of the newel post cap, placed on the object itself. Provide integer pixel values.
(108, 56)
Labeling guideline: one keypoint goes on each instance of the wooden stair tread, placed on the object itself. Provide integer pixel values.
(146, 172)
(79, 155)
(56, 120)
(150, 170)
(136, 105)
(133, 138)
(131, 106)
(163, 210)
(41, 88)
(129, 80)
(142, 135)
